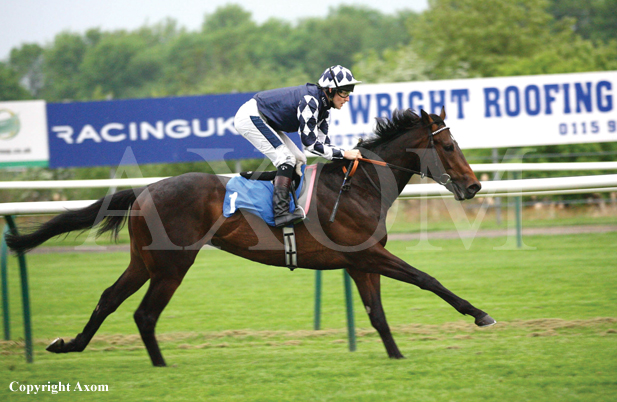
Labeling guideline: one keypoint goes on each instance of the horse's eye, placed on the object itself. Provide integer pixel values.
(448, 148)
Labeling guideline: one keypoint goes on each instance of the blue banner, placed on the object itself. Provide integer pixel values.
(163, 130)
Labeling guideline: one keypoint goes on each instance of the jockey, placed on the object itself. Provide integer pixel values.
(266, 118)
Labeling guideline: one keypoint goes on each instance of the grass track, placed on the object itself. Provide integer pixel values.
(238, 331)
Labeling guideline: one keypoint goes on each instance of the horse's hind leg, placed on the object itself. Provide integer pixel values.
(147, 314)
(129, 282)
(370, 291)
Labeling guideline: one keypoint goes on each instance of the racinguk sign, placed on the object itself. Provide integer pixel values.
(163, 130)
(494, 112)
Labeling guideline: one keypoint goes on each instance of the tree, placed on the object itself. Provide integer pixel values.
(27, 62)
(481, 35)
(226, 18)
(573, 55)
(500, 37)
(593, 19)
(117, 65)
(401, 64)
(9, 85)
(61, 67)
(319, 43)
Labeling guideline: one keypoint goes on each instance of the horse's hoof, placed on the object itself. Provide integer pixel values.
(56, 346)
(485, 321)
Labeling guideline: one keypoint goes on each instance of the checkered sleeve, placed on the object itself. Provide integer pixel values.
(314, 133)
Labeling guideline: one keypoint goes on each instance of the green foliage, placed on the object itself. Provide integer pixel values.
(116, 63)
(9, 85)
(233, 53)
(336, 39)
(27, 62)
(491, 38)
(569, 54)
(62, 67)
(593, 19)
(476, 35)
(469, 38)
(401, 64)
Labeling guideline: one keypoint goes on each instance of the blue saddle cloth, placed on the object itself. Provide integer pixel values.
(254, 196)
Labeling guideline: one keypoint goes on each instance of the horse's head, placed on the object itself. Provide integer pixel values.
(443, 157)
(423, 144)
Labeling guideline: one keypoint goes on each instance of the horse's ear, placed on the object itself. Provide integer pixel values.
(443, 113)
(426, 118)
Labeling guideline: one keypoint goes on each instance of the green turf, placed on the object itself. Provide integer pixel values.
(409, 216)
(239, 331)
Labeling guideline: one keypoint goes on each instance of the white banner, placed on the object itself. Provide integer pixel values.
(23, 134)
(493, 112)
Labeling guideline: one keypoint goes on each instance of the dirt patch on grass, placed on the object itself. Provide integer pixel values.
(460, 330)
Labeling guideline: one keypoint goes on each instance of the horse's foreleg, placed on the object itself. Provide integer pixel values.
(370, 291)
(393, 267)
(129, 282)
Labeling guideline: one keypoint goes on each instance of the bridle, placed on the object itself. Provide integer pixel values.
(444, 178)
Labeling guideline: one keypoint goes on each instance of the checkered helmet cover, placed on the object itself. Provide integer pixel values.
(341, 74)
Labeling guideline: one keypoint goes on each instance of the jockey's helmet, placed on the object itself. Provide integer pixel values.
(338, 78)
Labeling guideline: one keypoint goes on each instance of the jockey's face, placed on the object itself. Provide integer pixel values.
(338, 101)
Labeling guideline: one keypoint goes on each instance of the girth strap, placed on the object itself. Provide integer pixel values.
(291, 253)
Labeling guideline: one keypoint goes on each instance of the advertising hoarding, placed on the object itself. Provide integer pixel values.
(23, 134)
(482, 113)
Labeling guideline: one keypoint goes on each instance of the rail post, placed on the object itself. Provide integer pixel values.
(351, 329)
(4, 278)
(25, 295)
(518, 216)
(317, 320)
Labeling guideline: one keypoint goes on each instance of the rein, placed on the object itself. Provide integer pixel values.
(353, 165)
(444, 179)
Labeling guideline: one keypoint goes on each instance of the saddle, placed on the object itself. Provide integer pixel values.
(252, 192)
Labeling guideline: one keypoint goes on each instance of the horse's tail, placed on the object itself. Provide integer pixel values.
(80, 219)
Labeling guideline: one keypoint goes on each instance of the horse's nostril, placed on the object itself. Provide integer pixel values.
(474, 188)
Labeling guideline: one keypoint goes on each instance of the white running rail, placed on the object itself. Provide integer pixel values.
(497, 188)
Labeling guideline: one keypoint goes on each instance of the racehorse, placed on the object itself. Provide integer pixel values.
(170, 220)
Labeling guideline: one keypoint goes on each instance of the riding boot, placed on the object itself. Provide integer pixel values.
(280, 203)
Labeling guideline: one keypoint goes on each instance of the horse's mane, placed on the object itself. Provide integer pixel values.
(388, 129)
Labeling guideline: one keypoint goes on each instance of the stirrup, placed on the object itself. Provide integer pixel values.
(298, 215)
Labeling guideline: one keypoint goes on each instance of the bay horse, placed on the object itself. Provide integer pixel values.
(170, 220)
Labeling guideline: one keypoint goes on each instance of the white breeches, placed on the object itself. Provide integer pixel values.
(276, 145)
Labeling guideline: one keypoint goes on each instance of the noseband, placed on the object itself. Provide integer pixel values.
(444, 178)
